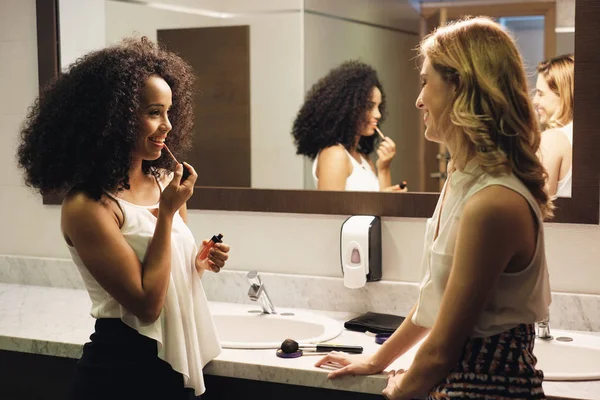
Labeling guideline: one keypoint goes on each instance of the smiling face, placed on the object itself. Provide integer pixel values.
(155, 103)
(545, 101)
(373, 114)
(435, 99)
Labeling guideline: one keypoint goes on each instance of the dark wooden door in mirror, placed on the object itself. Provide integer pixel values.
(220, 56)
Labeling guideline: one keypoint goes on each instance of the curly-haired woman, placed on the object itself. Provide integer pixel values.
(485, 279)
(553, 101)
(98, 134)
(336, 127)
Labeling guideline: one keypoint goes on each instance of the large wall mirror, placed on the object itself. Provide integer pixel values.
(256, 60)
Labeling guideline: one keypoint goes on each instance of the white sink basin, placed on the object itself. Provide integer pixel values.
(241, 327)
(578, 360)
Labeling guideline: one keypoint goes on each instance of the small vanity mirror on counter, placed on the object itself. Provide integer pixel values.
(265, 56)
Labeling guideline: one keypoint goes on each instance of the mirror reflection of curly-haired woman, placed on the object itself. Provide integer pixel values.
(337, 129)
(99, 133)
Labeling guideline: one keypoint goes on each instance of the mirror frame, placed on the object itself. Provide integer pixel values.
(581, 208)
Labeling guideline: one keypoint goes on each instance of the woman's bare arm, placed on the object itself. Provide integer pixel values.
(333, 168)
(495, 226)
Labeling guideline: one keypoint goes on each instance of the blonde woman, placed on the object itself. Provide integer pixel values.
(485, 281)
(553, 102)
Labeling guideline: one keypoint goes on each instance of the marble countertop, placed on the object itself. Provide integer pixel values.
(56, 321)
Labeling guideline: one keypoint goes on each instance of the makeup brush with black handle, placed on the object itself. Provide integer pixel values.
(291, 346)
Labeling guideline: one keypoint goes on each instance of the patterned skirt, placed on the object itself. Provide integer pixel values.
(498, 367)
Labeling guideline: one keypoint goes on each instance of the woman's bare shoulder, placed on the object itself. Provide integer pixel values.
(336, 151)
(79, 207)
(554, 136)
(498, 203)
(333, 157)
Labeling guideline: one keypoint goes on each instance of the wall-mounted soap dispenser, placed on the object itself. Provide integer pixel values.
(360, 250)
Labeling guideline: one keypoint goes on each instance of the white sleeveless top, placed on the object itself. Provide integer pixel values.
(521, 297)
(564, 186)
(185, 330)
(362, 178)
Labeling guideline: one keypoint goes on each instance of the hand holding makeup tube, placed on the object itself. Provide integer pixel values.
(385, 152)
(399, 188)
(186, 167)
(178, 191)
(212, 256)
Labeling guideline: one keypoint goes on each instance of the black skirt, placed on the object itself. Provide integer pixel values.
(120, 363)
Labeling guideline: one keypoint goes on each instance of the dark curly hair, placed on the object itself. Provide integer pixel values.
(335, 110)
(83, 128)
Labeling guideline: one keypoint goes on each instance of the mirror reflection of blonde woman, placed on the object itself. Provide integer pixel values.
(553, 102)
(484, 275)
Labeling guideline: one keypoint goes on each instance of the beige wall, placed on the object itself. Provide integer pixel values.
(529, 35)
(565, 18)
(400, 14)
(82, 28)
(284, 243)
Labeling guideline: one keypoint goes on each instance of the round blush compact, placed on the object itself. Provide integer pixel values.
(295, 354)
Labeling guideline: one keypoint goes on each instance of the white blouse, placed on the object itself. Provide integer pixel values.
(185, 331)
(521, 297)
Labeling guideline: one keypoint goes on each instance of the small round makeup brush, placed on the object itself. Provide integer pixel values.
(291, 346)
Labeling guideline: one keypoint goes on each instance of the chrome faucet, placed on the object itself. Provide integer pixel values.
(543, 329)
(258, 292)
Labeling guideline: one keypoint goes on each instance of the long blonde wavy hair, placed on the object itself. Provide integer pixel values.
(491, 118)
(559, 74)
